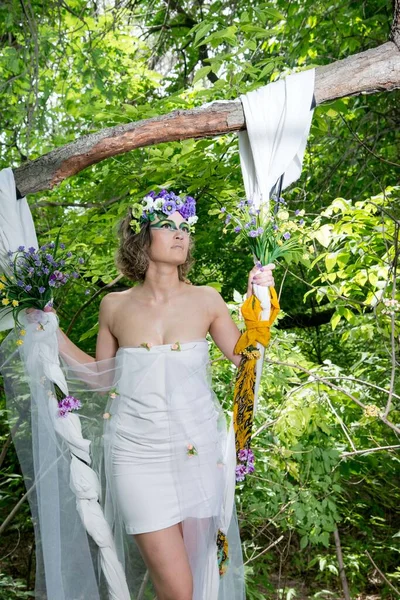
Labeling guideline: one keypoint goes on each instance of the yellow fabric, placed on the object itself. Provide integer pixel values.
(256, 332)
(243, 402)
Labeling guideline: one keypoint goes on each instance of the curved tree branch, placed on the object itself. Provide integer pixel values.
(371, 71)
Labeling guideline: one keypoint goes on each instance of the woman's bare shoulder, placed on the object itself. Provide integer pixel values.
(114, 300)
(208, 295)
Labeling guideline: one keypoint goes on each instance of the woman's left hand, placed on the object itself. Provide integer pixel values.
(261, 276)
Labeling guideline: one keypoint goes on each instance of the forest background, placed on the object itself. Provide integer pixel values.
(319, 517)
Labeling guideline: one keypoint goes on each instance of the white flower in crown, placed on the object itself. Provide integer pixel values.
(148, 203)
(193, 220)
(158, 203)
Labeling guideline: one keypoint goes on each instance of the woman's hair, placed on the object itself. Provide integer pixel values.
(132, 257)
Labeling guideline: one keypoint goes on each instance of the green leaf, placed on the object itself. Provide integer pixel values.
(201, 73)
(335, 320)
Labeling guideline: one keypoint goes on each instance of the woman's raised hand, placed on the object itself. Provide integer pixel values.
(261, 276)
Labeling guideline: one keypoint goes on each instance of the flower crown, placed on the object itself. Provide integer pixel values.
(164, 203)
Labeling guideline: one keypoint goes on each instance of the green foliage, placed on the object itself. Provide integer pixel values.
(68, 69)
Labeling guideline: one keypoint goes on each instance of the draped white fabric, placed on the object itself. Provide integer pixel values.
(278, 120)
(25, 374)
(16, 229)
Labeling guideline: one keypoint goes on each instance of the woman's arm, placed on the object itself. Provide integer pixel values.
(106, 345)
(223, 330)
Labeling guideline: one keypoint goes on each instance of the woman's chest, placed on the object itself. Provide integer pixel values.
(163, 324)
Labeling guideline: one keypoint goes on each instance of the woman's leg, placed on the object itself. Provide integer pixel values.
(165, 556)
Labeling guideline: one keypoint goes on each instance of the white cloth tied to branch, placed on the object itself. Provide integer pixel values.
(278, 119)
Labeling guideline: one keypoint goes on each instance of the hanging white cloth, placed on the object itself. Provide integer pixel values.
(278, 120)
(16, 229)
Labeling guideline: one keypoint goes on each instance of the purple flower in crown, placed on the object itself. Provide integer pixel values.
(169, 207)
(188, 209)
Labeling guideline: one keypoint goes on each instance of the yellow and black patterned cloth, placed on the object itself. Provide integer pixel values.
(243, 401)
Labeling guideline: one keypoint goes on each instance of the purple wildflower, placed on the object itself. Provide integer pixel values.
(68, 404)
(31, 250)
(9, 253)
(281, 201)
(247, 225)
(223, 209)
(275, 227)
(240, 472)
(21, 248)
(253, 233)
(242, 454)
(228, 218)
(241, 204)
(189, 208)
(250, 456)
(253, 221)
(51, 245)
(250, 468)
(75, 275)
(20, 283)
(87, 292)
(46, 270)
(260, 230)
(69, 254)
(286, 236)
(42, 290)
(296, 212)
(62, 246)
(62, 263)
(81, 260)
(301, 222)
(237, 229)
(28, 288)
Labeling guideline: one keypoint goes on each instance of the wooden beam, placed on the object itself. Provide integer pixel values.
(371, 71)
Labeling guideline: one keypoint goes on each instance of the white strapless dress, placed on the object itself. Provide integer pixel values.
(166, 449)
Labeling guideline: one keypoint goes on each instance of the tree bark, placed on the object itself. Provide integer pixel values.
(371, 71)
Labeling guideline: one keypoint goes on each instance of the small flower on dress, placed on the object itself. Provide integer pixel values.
(19, 342)
(176, 346)
(106, 415)
(191, 450)
(146, 345)
(113, 393)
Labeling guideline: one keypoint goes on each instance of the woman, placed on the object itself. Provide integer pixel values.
(157, 329)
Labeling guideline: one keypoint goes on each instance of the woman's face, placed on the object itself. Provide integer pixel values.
(169, 239)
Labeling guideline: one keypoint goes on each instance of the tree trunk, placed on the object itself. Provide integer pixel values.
(371, 71)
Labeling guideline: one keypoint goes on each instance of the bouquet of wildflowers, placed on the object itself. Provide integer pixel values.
(30, 279)
(32, 276)
(269, 230)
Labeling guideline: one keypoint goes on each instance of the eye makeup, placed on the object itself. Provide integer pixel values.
(170, 226)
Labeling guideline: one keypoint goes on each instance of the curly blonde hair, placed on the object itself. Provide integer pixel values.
(132, 257)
